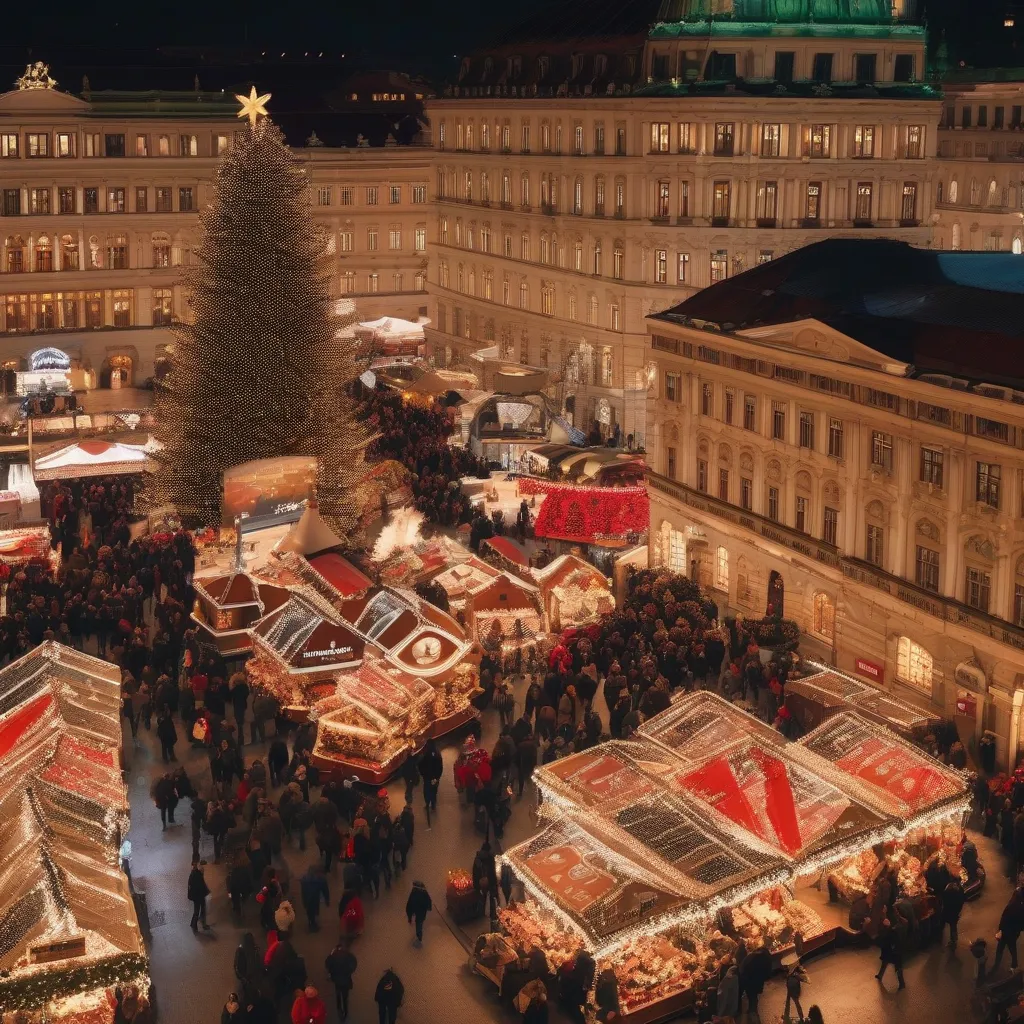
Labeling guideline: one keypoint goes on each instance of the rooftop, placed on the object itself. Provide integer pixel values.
(959, 313)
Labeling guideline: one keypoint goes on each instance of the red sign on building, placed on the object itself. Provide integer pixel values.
(871, 669)
(966, 704)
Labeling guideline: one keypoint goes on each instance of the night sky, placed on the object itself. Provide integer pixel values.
(162, 44)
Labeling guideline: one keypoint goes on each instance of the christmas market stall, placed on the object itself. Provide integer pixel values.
(574, 592)
(373, 722)
(929, 798)
(68, 921)
(504, 615)
(228, 605)
(93, 458)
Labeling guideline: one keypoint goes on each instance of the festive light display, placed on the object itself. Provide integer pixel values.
(66, 912)
(264, 366)
(590, 515)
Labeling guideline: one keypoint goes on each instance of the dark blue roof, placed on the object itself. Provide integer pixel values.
(950, 312)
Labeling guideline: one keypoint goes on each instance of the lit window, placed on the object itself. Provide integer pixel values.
(913, 664)
(722, 569)
(323, 195)
(823, 620)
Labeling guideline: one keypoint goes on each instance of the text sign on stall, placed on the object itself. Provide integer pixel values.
(871, 669)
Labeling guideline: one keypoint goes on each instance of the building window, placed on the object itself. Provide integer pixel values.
(724, 138)
(92, 144)
(987, 488)
(931, 466)
(348, 283)
(677, 551)
(702, 475)
(913, 142)
(115, 200)
(661, 207)
(8, 145)
(784, 61)
(862, 210)
(44, 254)
(864, 141)
(913, 664)
(220, 144)
(373, 282)
(773, 504)
(875, 544)
(819, 144)
(117, 253)
(620, 140)
(1018, 604)
(821, 70)
(813, 204)
(779, 421)
(661, 266)
(749, 412)
(908, 206)
(670, 463)
(723, 484)
(371, 195)
(683, 267)
(864, 68)
(830, 526)
(323, 195)
(395, 238)
(801, 513)
(186, 201)
(161, 254)
(618, 262)
(927, 574)
(163, 200)
(659, 137)
(707, 399)
(141, 199)
(395, 194)
(719, 266)
(189, 145)
(823, 616)
(673, 391)
(767, 203)
(771, 139)
(66, 199)
(730, 397)
(720, 203)
(903, 68)
(122, 307)
(162, 307)
(65, 144)
(39, 200)
(38, 144)
(881, 450)
(722, 568)
(614, 322)
(807, 430)
(835, 438)
(746, 493)
(978, 588)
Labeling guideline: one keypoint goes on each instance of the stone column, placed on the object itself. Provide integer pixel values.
(954, 503)
(904, 457)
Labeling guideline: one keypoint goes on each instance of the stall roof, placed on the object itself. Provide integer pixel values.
(900, 777)
(232, 590)
(341, 574)
(305, 639)
(61, 806)
(92, 458)
(394, 327)
(787, 796)
(310, 535)
(508, 549)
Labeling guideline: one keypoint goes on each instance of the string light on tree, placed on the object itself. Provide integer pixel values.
(262, 367)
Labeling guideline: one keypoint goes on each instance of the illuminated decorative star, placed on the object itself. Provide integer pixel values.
(252, 105)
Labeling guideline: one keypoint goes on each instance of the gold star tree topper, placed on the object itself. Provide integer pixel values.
(253, 106)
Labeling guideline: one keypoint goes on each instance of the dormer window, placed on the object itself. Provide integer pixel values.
(577, 64)
(600, 64)
(488, 65)
(542, 67)
(515, 67)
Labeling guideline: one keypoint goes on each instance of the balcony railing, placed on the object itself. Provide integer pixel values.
(856, 569)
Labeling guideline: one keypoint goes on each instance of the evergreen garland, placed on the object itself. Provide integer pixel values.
(261, 370)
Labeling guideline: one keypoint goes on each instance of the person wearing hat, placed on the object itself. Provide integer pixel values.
(417, 907)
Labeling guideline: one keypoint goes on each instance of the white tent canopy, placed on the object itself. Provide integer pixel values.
(394, 327)
(94, 458)
(309, 535)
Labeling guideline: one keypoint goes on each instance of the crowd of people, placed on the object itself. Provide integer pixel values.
(417, 437)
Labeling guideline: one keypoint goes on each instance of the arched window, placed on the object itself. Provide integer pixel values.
(1016, 245)
(554, 251)
(44, 254)
(524, 295)
(1018, 592)
(823, 616)
(69, 253)
(722, 568)
(938, 193)
(913, 664)
(545, 250)
(876, 521)
(573, 312)
(952, 191)
(993, 193)
(975, 192)
(460, 278)
(592, 309)
(618, 260)
(927, 555)
(15, 262)
(956, 236)
(577, 196)
(469, 185)
(547, 300)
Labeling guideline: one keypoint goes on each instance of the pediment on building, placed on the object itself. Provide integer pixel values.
(816, 338)
(40, 101)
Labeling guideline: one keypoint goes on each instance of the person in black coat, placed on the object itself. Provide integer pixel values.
(891, 951)
(754, 973)
(952, 905)
(277, 761)
(167, 735)
(388, 996)
(341, 964)
(240, 883)
(417, 907)
(198, 890)
(431, 769)
(1011, 924)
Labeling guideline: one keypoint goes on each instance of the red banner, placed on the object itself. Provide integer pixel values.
(895, 770)
(779, 801)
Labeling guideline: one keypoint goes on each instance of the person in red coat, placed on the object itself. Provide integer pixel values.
(309, 1008)
(350, 911)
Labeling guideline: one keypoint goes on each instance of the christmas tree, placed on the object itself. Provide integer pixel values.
(261, 370)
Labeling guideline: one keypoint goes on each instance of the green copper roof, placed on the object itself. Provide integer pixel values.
(798, 12)
(724, 28)
(768, 88)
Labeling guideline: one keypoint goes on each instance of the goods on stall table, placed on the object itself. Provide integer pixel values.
(652, 968)
(773, 918)
(528, 925)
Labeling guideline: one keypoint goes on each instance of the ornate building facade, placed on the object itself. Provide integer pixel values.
(821, 448)
(581, 185)
(99, 211)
